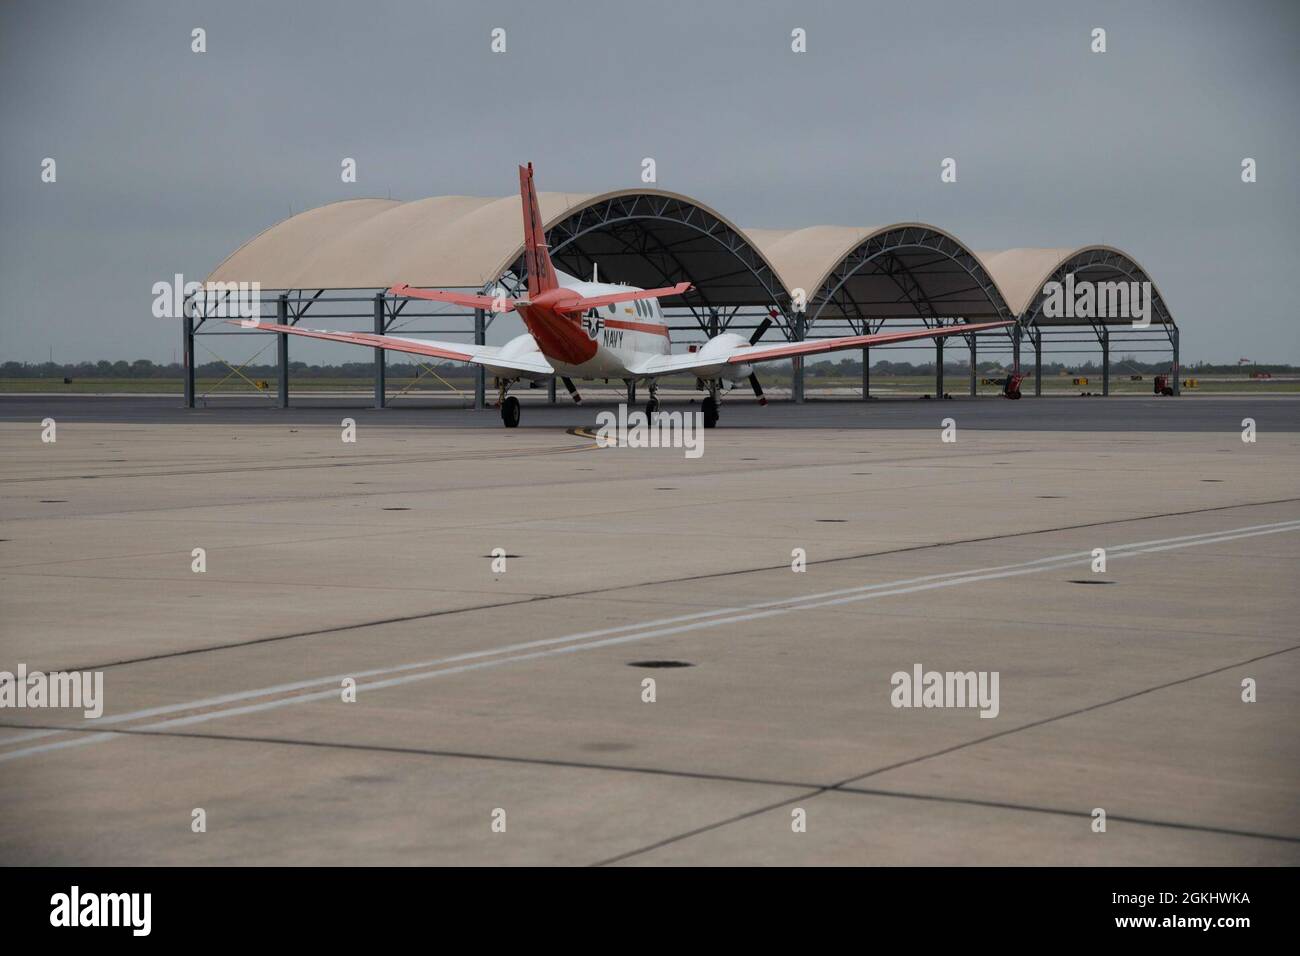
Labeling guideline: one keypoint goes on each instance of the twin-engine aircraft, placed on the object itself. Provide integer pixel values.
(594, 330)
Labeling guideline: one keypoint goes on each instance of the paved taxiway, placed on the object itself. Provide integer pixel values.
(480, 690)
(1127, 413)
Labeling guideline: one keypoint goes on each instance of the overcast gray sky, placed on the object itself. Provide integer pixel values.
(168, 160)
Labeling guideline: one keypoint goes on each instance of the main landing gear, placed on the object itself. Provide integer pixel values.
(508, 404)
(510, 412)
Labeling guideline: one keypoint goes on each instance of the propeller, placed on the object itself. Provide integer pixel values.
(753, 340)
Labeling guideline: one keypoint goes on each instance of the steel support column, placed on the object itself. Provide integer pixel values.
(1037, 336)
(1105, 361)
(187, 355)
(480, 373)
(938, 368)
(866, 374)
(1178, 371)
(1015, 348)
(282, 351)
(973, 383)
(550, 390)
(796, 363)
(381, 368)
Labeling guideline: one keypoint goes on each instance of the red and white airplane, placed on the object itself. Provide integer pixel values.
(594, 330)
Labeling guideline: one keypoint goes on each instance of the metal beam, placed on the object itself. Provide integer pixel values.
(1178, 371)
(381, 368)
(1105, 361)
(938, 368)
(866, 374)
(187, 354)
(480, 373)
(612, 217)
(1037, 336)
(282, 351)
(973, 339)
(796, 379)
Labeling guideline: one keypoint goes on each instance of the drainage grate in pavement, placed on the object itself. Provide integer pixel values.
(660, 664)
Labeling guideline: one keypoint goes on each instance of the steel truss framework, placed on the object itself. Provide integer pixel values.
(627, 224)
(910, 275)
(903, 277)
(1102, 265)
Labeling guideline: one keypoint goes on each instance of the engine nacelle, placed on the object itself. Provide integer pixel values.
(719, 347)
(520, 347)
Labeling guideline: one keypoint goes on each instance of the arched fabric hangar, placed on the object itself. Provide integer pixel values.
(864, 277)
(642, 237)
(337, 261)
(1023, 275)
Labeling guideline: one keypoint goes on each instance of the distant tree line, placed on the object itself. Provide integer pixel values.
(1124, 365)
(844, 368)
(145, 369)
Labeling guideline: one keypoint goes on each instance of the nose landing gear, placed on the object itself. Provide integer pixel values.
(652, 405)
(712, 404)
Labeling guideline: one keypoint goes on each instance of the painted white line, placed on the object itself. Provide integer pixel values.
(586, 641)
(334, 680)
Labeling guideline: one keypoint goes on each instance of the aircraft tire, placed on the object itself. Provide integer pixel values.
(510, 412)
(710, 408)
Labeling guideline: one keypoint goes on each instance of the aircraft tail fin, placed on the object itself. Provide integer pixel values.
(537, 259)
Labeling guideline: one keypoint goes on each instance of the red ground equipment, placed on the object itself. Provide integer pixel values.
(1162, 386)
(1011, 387)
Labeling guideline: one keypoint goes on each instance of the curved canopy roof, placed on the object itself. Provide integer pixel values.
(1022, 273)
(378, 243)
(882, 272)
(652, 237)
(470, 241)
(805, 256)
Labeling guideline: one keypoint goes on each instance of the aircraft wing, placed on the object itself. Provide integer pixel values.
(532, 364)
(751, 354)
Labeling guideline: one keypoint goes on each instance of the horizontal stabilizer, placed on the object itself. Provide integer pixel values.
(487, 302)
(631, 295)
